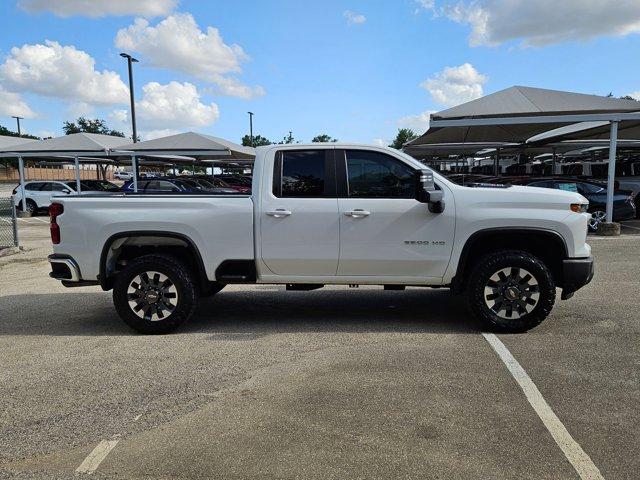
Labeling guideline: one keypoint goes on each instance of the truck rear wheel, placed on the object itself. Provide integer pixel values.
(155, 294)
(511, 291)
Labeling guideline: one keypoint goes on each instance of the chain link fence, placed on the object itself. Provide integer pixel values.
(8, 223)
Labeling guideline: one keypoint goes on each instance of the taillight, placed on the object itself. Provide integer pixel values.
(55, 209)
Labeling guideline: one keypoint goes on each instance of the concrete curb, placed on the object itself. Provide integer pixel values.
(608, 229)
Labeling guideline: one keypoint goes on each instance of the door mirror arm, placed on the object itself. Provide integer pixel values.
(428, 193)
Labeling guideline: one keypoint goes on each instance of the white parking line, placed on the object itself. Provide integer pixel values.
(95, 458)
(577, 457)
(98, 454)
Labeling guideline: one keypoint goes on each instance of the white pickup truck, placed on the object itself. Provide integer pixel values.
(325, 214)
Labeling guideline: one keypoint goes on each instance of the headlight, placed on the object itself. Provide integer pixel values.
(579, 207)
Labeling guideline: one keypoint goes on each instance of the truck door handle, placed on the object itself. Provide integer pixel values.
(278, 213)
(357, 213)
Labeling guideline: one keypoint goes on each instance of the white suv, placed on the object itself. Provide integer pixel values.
(38, 193)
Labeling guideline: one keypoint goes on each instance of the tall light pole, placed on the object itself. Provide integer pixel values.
(251, 127)
(131, 60)
(18, 120)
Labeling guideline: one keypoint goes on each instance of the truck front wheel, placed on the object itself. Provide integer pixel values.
(511, 291)
(155, 294)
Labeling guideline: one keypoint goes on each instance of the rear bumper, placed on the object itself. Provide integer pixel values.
(576, 273)
(63, 267)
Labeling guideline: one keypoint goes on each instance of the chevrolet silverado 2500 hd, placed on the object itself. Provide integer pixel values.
(328, 214)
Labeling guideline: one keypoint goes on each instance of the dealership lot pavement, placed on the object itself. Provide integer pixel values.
(334, 383)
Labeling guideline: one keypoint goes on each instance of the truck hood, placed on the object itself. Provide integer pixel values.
(518, 196)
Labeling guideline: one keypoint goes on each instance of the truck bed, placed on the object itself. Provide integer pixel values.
(221, 226)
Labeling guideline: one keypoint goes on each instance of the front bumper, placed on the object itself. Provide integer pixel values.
(576, 273)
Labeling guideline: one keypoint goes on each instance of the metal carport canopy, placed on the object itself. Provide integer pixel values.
(195, 145)
(519, 113)
(75, 146)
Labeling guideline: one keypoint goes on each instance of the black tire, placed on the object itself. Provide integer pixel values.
(163, 307)
(32, 208)
(512, 308)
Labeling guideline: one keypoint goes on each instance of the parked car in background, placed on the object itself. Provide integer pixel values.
(204, 185)
(624, 207)
(123, 175)
(173, 185)
(38, 193)
(220, 183)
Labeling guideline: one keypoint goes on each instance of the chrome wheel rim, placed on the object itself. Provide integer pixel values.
(596, 219)
(152, 296)
(511, 293)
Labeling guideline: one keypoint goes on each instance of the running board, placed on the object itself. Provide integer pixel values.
(303, 287)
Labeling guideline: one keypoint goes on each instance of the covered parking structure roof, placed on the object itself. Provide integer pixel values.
(517, 114)
(77, 144)
(175, 149)
(191, 144)
(9, 141)
(514, 115)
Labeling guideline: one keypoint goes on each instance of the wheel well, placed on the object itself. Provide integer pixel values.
(121, 248)
(548, 246)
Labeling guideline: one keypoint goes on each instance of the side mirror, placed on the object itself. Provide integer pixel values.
(66, 190)
(428, 193)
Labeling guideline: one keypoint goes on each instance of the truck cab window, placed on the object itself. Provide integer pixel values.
(301, 173)
(376, 175)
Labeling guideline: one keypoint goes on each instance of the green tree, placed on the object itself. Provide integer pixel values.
(324, 138)
(287, 139)
(258, 141)
(404, 135)
(5, 132)
(88, 125)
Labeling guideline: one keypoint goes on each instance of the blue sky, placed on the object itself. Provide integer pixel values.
(356, 70)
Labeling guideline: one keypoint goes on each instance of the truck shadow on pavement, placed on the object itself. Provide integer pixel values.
(250, 314)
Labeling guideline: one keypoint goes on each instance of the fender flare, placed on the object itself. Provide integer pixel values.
(105, 281)
(458, 278)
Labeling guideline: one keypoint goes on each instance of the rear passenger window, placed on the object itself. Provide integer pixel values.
(300, 173)
(33, 186)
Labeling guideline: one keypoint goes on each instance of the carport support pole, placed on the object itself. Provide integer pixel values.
(496, 165)
(553, 162)
(21, 173)
(77, 163)
(134, 167)
(613, 146)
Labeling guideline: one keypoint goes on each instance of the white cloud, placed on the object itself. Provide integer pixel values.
(418, 123)
(100, 8)
(177, 43)
(544, 22)
(455, 85)
(80, 109)
(422, 5)
(119, 115)
(634, 95)
(174, 105)
(61, 71)
(12, 104)
(379, 142)
(354, 18)
(158, 133)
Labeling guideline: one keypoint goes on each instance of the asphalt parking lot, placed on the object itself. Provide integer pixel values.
(334, 383)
